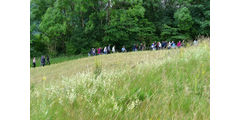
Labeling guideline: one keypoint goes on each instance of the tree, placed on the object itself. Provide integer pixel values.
(75, 26)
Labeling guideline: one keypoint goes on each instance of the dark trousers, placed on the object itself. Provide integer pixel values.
(34, 64)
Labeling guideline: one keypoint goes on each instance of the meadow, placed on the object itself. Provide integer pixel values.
(144, 85)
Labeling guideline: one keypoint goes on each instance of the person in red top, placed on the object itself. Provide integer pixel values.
(99, 51)
(179, 44)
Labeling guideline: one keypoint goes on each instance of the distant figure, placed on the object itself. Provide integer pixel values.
(43, 61)
(109, 49)
(173, 44)
(34, 62)
(134, 47)
(105, 50)
(159, 45)
(183, 44)
(93, 51)
(141, 47)
(153, 46)
(113, 49)
(164, 44)
(48, 60)
(179, 44)
(195, 42)
(89, 53)
(144, 46)
(99, 51)
(169, 45)
(124, 49)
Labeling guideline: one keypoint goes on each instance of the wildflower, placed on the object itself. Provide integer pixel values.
(131, 106)
(44, 78)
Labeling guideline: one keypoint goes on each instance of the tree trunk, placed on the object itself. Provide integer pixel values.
(108, 13)
(82, 19)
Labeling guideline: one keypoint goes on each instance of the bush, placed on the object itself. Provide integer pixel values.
(70, 49)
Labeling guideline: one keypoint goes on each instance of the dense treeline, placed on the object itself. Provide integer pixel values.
(75, 26)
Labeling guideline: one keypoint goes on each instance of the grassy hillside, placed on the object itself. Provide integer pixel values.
(165, 84)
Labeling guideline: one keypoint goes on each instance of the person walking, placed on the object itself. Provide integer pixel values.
(34, 62)
(144, 46)
(141, 47)
(43, 61)
(124, 49)
(134, 47)
(113, 49)
(164, 44)
(93, 51)
(105, 50)
(169, 45)
(179, 44)
(99, 51)
(173, 44)
(48, 60)
(183, 44)
(153, 46)
(89, 53)
(159, 45)
(195, 42)
(109, 49)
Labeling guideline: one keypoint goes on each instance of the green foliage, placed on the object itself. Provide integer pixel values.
(168, 32)
(128, 27)
(183, 19)
(61, 26)
(70, 48)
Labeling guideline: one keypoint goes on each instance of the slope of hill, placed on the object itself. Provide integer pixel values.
(164, 84)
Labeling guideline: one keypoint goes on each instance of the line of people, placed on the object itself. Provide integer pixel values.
(100, 51)
(107, 49)
(43, 61)
(154, 46)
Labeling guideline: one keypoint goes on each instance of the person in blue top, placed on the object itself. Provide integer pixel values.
(124, 49)
(134, 47)
(173, 44)
(43, 61)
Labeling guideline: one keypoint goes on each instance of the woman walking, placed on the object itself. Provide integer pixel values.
(99, 51)
(105, 50)
(113, 49)
(34, 62)
(179, 44)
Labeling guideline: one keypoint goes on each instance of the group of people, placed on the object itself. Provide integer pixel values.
(99, 51)
(154, 46)
(168, 45)
(107, 49)
(43, 61)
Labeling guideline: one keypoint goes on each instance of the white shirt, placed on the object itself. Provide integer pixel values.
(105, 49)
(113, 49)
(159, 45)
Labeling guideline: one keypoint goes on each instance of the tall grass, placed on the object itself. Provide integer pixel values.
(173, 86)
